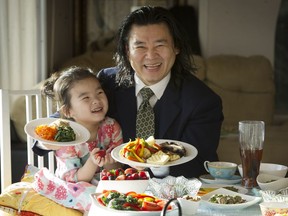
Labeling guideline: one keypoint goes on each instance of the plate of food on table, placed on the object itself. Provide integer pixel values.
(59, 132)
(154, 152)
(112, 202)
(207, 188)
(226, 199)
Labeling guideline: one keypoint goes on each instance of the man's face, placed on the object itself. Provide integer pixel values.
(151, 52)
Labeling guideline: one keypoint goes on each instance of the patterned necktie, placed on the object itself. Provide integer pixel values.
(145, 116)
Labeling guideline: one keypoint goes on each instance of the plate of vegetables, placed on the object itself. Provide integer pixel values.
(59, 132)
(225, 199)
(112, 202)
(133, 153)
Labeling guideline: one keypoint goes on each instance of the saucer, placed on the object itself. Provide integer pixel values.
(207, 178)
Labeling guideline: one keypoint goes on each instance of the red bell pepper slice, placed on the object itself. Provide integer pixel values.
(131, 206)
(150, 206)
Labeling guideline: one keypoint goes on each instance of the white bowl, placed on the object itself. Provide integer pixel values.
(271, 182)
(123, 186)
(273, 208)
(269, 168)
(189, 207)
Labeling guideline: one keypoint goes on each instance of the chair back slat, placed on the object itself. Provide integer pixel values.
(34, 103)
(5, 137)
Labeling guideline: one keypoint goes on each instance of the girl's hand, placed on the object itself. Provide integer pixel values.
(97, 157)
(101, 157)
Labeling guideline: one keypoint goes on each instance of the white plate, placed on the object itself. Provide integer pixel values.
(103, 210)
(82, 134)
(191, 153)
(240, 189)
(207, 178)
(250, 200)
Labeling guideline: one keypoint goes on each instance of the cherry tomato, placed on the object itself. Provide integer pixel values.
(142, 175)
(104, 178)
(131, 206)
(135, 176)
(101, 153)
(119, 171)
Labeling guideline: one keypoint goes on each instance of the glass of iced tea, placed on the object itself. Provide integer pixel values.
(251, 139)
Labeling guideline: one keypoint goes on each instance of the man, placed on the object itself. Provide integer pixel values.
(152, 52)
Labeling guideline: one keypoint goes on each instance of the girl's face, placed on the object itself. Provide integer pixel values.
(89, 103)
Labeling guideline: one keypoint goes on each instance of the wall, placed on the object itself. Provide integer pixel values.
(241, 27)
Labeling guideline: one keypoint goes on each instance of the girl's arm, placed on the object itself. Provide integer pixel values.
(88, 170)
(70, 167)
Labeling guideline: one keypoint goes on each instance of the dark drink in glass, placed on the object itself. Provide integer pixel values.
(251, 139)
(251, 160)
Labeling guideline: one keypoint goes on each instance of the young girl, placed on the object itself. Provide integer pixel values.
(81, 99)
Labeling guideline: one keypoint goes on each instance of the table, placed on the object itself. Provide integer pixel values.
(250, 211)
(204, 211)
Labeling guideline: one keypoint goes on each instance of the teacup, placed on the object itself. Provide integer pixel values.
(220, 169)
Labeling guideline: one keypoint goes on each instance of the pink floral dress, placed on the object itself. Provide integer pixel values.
(71, 158)
(63, 186)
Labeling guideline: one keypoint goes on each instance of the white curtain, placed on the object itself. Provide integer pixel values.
(22, 43)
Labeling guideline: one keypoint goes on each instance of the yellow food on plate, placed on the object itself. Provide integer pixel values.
(159, 158)
(203, 191)
(148, 151)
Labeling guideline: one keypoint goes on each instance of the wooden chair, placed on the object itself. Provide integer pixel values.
(34, 103)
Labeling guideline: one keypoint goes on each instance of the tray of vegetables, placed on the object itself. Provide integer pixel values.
(112, 202)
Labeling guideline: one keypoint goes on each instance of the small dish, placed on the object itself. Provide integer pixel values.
(207, 188)
(269, 168)
(250, 200)
(189, 207)
(271, 182)
(207, 178)
(123, 186)
(273, 208)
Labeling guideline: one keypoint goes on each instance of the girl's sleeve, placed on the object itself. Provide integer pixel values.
(112, 133)
(117, 137)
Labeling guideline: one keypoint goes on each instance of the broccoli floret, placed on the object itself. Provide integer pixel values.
(131, 199)
(111, 196)
(117, 203)
(65, 134)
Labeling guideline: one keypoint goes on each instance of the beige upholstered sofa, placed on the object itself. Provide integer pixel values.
(246, 87)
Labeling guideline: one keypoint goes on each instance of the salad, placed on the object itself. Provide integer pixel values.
(59, 131)
(131, 201)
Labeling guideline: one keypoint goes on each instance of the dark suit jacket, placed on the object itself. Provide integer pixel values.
(191, 113)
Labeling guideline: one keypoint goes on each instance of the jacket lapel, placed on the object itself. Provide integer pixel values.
(167, 108)
(126, 111)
